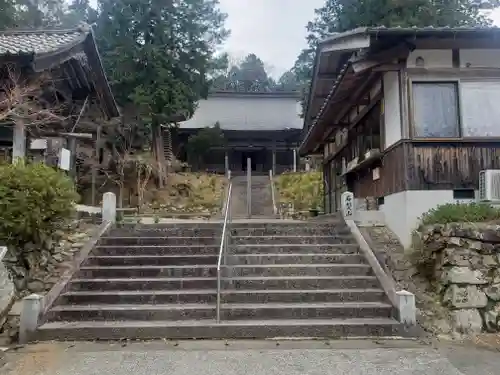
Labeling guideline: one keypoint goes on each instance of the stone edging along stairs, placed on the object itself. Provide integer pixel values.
(284, 279)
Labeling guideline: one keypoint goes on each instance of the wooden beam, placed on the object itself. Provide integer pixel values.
(333, 75)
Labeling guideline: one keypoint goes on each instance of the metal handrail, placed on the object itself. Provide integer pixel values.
(273, 194)
(223, 246)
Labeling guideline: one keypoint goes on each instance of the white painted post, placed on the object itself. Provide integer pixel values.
(18, 142)
(249, 187)
(274, 162)
(406, 307)
(229, 174)
(347, 205)
(109, 207)
(30, 313)
(294, 160)
(226, 164)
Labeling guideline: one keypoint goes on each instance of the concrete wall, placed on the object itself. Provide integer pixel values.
(402, 211)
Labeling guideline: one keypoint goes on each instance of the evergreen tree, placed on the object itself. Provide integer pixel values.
(158, 53)
(342, 15)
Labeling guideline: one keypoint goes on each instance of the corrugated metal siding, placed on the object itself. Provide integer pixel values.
(247, 114)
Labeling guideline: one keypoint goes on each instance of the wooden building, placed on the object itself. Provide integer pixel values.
(408, 116)
(265, 127)
(51, 80)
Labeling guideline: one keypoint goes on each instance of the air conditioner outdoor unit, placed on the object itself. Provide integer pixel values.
(489, 185)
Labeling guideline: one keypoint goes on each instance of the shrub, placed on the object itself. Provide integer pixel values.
(303, 190)
(460, 212)
(35, 199)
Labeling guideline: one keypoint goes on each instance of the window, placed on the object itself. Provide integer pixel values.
(435, 110)
(481, 109)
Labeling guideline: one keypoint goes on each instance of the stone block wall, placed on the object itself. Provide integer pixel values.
(463, 261)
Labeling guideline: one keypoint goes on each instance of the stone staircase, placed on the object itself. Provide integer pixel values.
(261, 197)
(285, 279)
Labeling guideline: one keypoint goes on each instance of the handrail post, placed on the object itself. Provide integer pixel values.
(249, 187)
(223, 249)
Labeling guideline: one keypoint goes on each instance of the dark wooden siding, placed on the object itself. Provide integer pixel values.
(450, 165)
(392, 175)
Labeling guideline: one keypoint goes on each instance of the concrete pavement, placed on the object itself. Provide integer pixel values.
(354, 357)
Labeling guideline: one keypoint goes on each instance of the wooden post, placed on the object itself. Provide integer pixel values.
(273, 168)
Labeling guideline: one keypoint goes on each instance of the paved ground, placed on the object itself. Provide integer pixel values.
(252, 358)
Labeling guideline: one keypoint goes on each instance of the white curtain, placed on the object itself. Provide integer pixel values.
(435, 110)
(480, 108)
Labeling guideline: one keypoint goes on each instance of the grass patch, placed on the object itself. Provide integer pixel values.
(460, 212)
(302, 189)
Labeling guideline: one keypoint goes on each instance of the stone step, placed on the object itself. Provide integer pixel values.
(298, 258)
(325, 269)
(227, 296)
(151, 260)
(268, 230)
(268, 283)
(100, 312)
(199, 270)
(156, 250)
(165, 241)
(295, 248)
(292, 230)
(210, 329)
(208, 270)
(272, 240)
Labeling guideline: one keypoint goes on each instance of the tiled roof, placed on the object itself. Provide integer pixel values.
(39, 41)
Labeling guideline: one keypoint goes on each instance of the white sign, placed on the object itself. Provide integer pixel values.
(376, 174)
(38, 144)
(347, 203)
(65, 159)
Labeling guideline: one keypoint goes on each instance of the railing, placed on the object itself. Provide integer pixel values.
(273, 193)
(226, 235)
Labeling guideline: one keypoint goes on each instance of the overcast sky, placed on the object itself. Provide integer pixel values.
(273, 29)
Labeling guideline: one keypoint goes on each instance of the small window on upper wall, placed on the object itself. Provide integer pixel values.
(435, 110)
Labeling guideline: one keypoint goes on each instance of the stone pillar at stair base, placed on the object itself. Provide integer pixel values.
(109, 207)
(30, 313)
(407, 308)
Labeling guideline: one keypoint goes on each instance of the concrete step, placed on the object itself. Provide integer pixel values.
(298, 258)
(227, 296)
(259, 283)
(156, 250)
(325, 269)
(293, 230)
(294, 248)
(237, 230)
(240, 249)
(208, 270)
(272, 240)
(150, 260)
(209, 329)
(100, 312)
(165, 241)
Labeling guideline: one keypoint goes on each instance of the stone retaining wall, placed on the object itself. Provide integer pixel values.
(463, 262)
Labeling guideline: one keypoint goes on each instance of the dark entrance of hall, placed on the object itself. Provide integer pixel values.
(253, 158)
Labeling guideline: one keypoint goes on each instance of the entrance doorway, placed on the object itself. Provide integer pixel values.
(253, 160)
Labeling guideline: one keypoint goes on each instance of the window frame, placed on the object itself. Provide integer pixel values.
(430, 81)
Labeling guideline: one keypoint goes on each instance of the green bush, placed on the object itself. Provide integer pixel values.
(303, 190)
(35, 200)
(460, 212)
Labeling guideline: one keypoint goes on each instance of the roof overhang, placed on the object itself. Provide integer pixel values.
(76, 50)
(346, 61)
